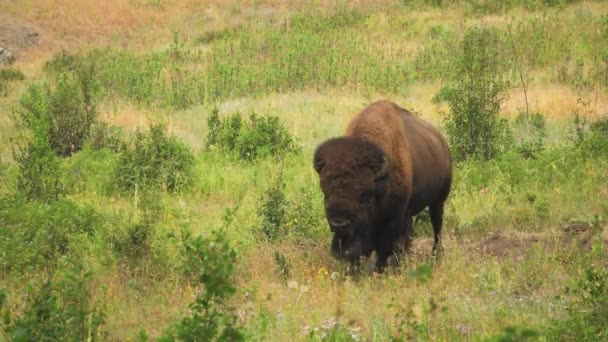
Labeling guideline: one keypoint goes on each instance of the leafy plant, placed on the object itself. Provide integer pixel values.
(282, 264)
(61, 310)
(600, 127)
(587, 296)
(531, 133)
(6, 75)
(334, 330)
(67, 107)
(261, 136)
(35, 235)
(264, 136)
(104, 135)
(210, 318)
(512, 334)
(154, 159)
(473, 125)
(137, 241)
(39, 176)
(273, 211)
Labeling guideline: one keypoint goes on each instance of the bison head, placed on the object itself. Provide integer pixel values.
(354, 176)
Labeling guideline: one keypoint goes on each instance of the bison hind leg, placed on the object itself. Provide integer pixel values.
(436, 213)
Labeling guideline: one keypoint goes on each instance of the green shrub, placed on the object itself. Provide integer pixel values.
(305, 216)
(473, 125)
(264, 136)
(261, 136)
(512, 334)
(39, 167)
(224, 133)
(586, 297)
(601, 61)
(301, 217)
(62, 62)
(11, 74)
(68, 107)
(531, 133)
(210, 318)
(104, 135)
(434, 57)
(333, 330)
(600, 127)
(6, 75)
(154, 159)
(283, 266)
(36, 235)
(60, 310)
(273, 211)
(138, 241)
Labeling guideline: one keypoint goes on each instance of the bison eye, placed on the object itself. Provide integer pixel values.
(366, 196)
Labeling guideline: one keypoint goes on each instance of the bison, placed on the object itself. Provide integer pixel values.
(389, 166)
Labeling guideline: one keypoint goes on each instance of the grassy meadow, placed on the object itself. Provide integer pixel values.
(156, 178)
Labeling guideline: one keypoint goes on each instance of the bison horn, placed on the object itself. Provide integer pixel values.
(318, 164)
(383, 170)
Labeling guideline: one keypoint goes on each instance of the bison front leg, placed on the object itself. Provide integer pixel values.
(396, 242)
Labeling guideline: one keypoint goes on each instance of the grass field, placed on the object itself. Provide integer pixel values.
(99, 235)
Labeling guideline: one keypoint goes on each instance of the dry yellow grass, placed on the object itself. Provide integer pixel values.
(557, 102)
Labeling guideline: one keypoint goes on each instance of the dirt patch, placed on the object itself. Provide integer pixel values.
(582, 232)
(505, 246)
(502, 246)
(18, 37)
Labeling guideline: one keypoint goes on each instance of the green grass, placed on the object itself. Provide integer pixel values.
(379, 50)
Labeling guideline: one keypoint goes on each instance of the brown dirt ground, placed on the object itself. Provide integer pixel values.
(502, 246)
(25, 41)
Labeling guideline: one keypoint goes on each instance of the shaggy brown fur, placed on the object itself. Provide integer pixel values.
(389, 166)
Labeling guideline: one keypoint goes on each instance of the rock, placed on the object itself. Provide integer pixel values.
(6, 57)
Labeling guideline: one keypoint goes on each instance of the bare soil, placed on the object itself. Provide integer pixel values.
(506, 246)
(18, 37)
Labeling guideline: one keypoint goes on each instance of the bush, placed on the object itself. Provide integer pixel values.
(6, 75)
(210, 318)
(473, 125)
(265, 136)
(333, 330)
(104, 135)
(531, 132)
(62, 62)
(61, 310)
(600, 127)
(68, 108)
(587, 297)
(11, 74)
(306, 215)
(273, 211)
(261, 136)
(154, 159)
(35, 235)
(137, 241)
(39, 167)
(301, 218)
(224, 133)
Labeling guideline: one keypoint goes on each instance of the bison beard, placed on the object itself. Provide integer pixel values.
(389, 166)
